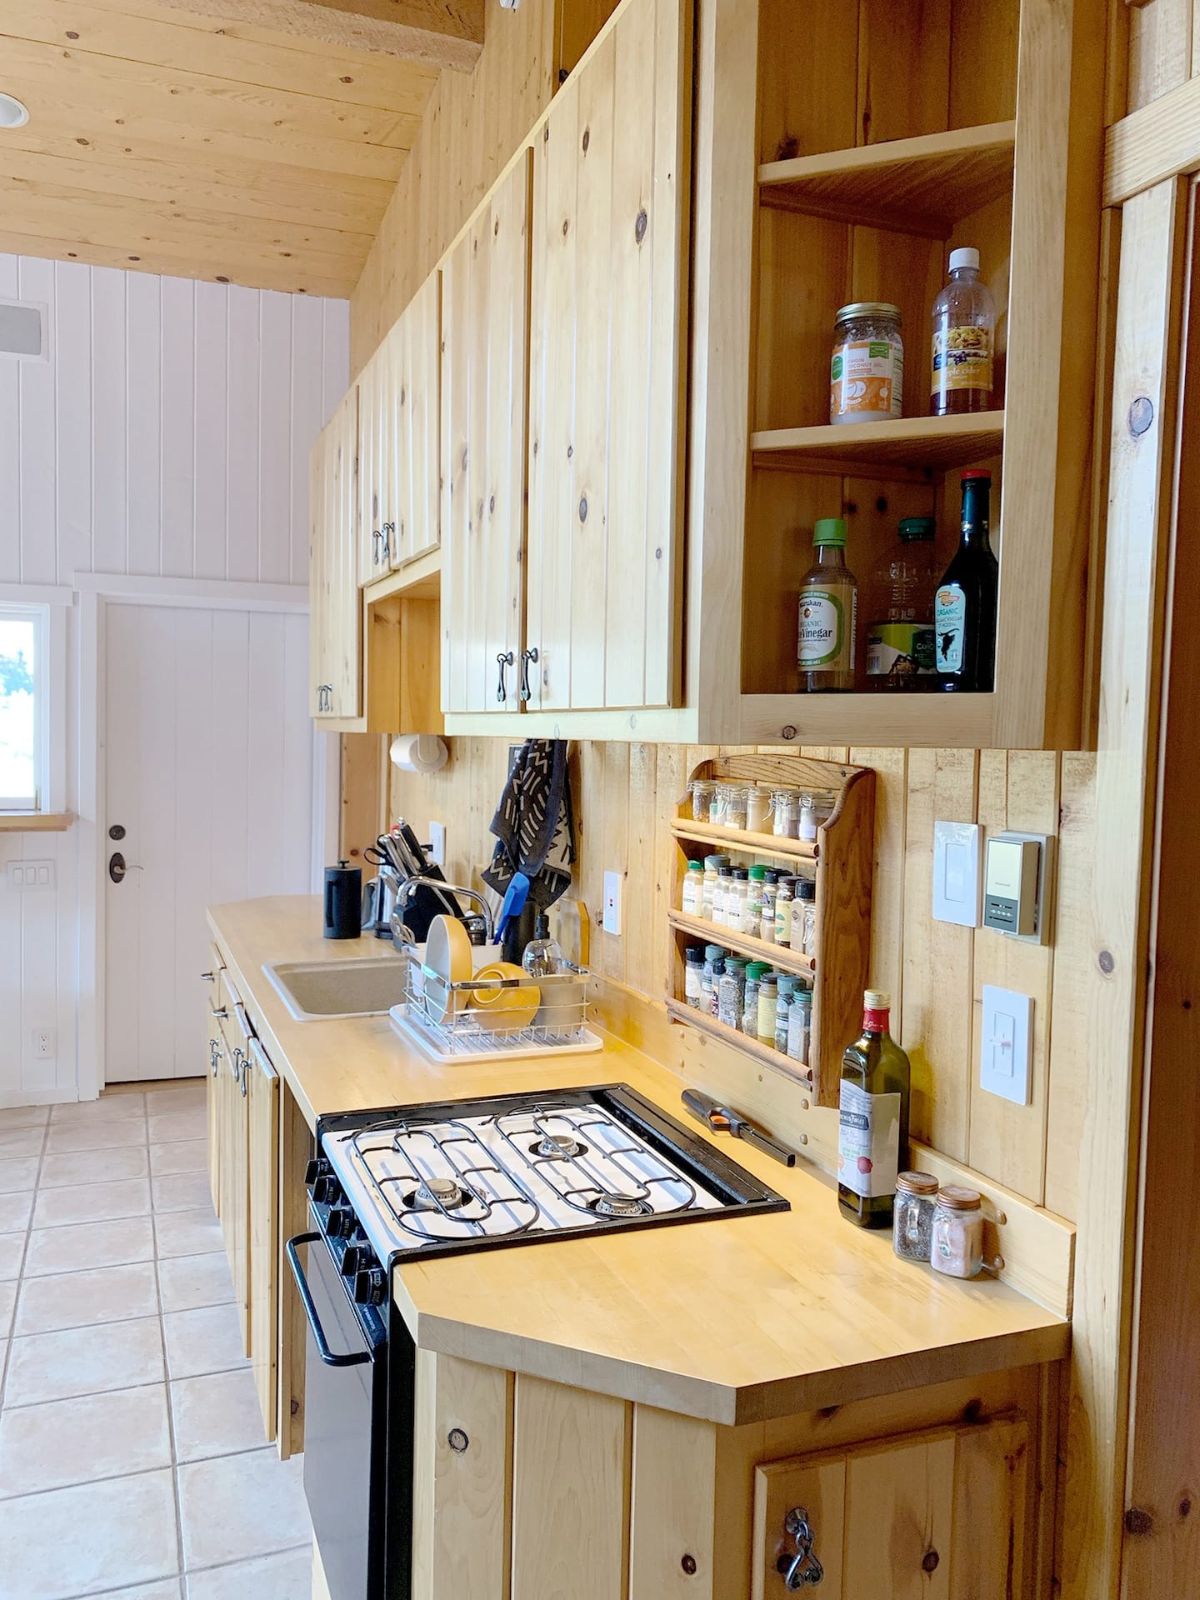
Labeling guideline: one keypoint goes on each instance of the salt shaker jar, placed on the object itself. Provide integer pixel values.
(693, 975)
(956, 1245)
(704, 792)
(912, 1216)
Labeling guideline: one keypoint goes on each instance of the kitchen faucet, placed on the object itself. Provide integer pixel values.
(408, 887)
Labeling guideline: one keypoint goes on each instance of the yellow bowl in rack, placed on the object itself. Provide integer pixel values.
(506, 1008)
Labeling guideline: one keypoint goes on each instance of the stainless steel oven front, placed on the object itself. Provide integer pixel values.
(358, 1419)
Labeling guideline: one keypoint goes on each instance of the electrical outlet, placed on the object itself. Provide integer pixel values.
(437, 843)
(31, 874)
(612, 901)
(44, 1047)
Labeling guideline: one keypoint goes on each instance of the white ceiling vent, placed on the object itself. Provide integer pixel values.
(23, 330)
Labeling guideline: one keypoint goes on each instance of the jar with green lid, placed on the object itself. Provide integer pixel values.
(755, 973)
(770, 895)
(828, 614)
(799, 1025)
(787, 986)
(752, 910)
(691, 900)
(768, 1001)
(866, 376)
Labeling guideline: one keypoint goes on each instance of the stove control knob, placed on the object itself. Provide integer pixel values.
(354, 1260)
(326, 1190)
(370, 1286)
(318, 1168)
(341, 1222)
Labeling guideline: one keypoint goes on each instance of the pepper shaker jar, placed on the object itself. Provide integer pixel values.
(912, 1217)
(957, 1238)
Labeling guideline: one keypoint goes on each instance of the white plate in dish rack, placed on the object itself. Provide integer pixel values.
(436, 1045)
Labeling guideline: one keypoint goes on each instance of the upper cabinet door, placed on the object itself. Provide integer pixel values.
(485, 332)
(372, 464)
(335, 620)
(609, 319)
(414, 423)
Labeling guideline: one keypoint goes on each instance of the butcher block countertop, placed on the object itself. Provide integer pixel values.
(733, 1321)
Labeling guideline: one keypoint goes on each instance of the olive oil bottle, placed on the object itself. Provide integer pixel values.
(873, 1127)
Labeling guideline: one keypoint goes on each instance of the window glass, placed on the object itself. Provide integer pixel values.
(18, 715)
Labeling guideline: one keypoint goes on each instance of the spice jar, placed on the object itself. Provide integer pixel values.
(784, 895)
(712, 868)
(752, 909)
(804, 918)
(735, 967)
(758, 808)
(755, 973)
(799, 1025)
(786, 985)
(721, 893)
(704, 792)
(714, 993)
(692, 896)
(866, 376)
(729, 997)
(693, 975)
(735, 898)
(957, 1237)
(912, 1215)
(770, 895)
(785, 813)
(732, 800)
(768, 1000)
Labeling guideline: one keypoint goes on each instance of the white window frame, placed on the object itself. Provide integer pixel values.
(50, 618)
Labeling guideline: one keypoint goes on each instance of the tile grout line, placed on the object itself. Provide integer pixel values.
(20, 1277)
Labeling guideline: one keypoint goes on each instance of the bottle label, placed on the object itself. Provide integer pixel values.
(868, 1141)
(822, 631)
(866, 378)
(950, 625)
(900, 650)
(962, 359)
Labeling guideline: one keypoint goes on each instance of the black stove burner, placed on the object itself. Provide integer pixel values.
(558, 1147)
(619, 1205)
(436, 1194)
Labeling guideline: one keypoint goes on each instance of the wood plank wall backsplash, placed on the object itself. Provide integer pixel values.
(625, 794)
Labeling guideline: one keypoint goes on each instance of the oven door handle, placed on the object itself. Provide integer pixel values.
(328, 1356)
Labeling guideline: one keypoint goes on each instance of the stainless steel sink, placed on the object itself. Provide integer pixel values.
(320, 991)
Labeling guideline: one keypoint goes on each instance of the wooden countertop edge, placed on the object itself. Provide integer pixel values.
(639, 1382)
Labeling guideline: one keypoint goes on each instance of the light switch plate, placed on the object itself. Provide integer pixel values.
(957, 872)
(612, 902)
(437, 843)
(1006, 1044)
(32, 874)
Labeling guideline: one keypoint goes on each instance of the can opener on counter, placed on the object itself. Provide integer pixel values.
(722, 1119)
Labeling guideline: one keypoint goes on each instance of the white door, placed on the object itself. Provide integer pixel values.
(208, 753)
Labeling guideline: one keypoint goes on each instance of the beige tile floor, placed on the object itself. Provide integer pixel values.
(132, 1459)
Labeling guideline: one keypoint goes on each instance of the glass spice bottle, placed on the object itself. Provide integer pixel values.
(799, 1025)
(804, 918)
(712, 866)
(735, 901)
(692, 894)
(721, 895)
(755, 973)
(704, 792)
(770, 895)
(752, 910)
(768, 1000)
(693, 975)
(912, 1218)
(714, 993)
(729, 997)
(784, 893)
(957, 1233)
(786, 985)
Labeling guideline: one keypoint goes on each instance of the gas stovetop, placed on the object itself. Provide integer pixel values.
(519, 1169)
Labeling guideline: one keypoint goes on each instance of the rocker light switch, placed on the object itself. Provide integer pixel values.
(956, 874)
(1006, 1045)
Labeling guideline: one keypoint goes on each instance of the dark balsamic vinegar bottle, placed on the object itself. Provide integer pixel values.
(964, 608)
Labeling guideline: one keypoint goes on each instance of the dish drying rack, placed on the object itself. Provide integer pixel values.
(454, 1029)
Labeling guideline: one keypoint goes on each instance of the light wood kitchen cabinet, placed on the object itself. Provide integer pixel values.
(399, 431)
(335, 611)
(485, 339)
(262, 1189)
(232, 1124)
(608, 314)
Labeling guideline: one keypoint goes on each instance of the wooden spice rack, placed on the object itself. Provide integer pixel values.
(840, 861)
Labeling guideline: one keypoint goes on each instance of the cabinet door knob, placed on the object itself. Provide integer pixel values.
(801, 1569)
(505, 660)
(527, 656)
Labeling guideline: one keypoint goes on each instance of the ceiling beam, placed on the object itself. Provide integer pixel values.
(437, 33)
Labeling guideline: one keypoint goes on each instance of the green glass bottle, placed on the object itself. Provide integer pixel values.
(873, 1128)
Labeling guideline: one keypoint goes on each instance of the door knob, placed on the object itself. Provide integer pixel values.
(118, 867)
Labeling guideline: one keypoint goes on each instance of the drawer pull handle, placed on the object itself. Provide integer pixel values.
(801, 1569)
(504, 660)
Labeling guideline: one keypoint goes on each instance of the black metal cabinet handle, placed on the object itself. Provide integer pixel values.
(328, 1356)
(801, 1570)
(505, 660)
(388, 530)
(527, 656)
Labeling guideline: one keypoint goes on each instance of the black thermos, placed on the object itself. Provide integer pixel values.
(343, 901)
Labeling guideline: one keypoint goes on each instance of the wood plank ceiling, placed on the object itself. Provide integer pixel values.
(167, 141)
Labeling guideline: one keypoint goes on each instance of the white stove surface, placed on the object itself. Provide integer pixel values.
(533, 1170)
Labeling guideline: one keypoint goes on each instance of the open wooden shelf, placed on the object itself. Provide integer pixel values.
(36, 821)
(920, 185)
(908, 446)
(680, 1011)
(931, 720)
(740, 839)
(781, 956)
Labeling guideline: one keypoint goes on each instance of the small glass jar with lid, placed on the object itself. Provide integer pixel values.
(768, 1001)
(785, 891)
(752, 910)
(770, 895)
(956, 1246)
(729, 805)
(712, 868)
(912, 1215)
(693, 975)
(729, 997)
(691, 900)
(714, 993)
(758, 808)
(804, 917)
(755, 973)
(721, 894)
(866, 375)
(786, 985)
(799, 1024)
(704, 792)
(736, 893)
(785, 813)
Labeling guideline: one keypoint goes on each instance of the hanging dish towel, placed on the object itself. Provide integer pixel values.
(535, 831)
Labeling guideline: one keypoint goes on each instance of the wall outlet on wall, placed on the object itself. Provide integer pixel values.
(437, 843)
(44, 1044)
(612, 901)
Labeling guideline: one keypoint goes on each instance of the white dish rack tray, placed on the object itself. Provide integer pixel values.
(469, 1032)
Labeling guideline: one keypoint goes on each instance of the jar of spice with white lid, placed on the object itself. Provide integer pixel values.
(758, 808)
(956, 1247)
(912, 1216)
(704, 793)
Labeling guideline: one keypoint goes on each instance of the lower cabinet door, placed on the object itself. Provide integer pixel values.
(233, 1120)
(940, 1515)
(263, 1271)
